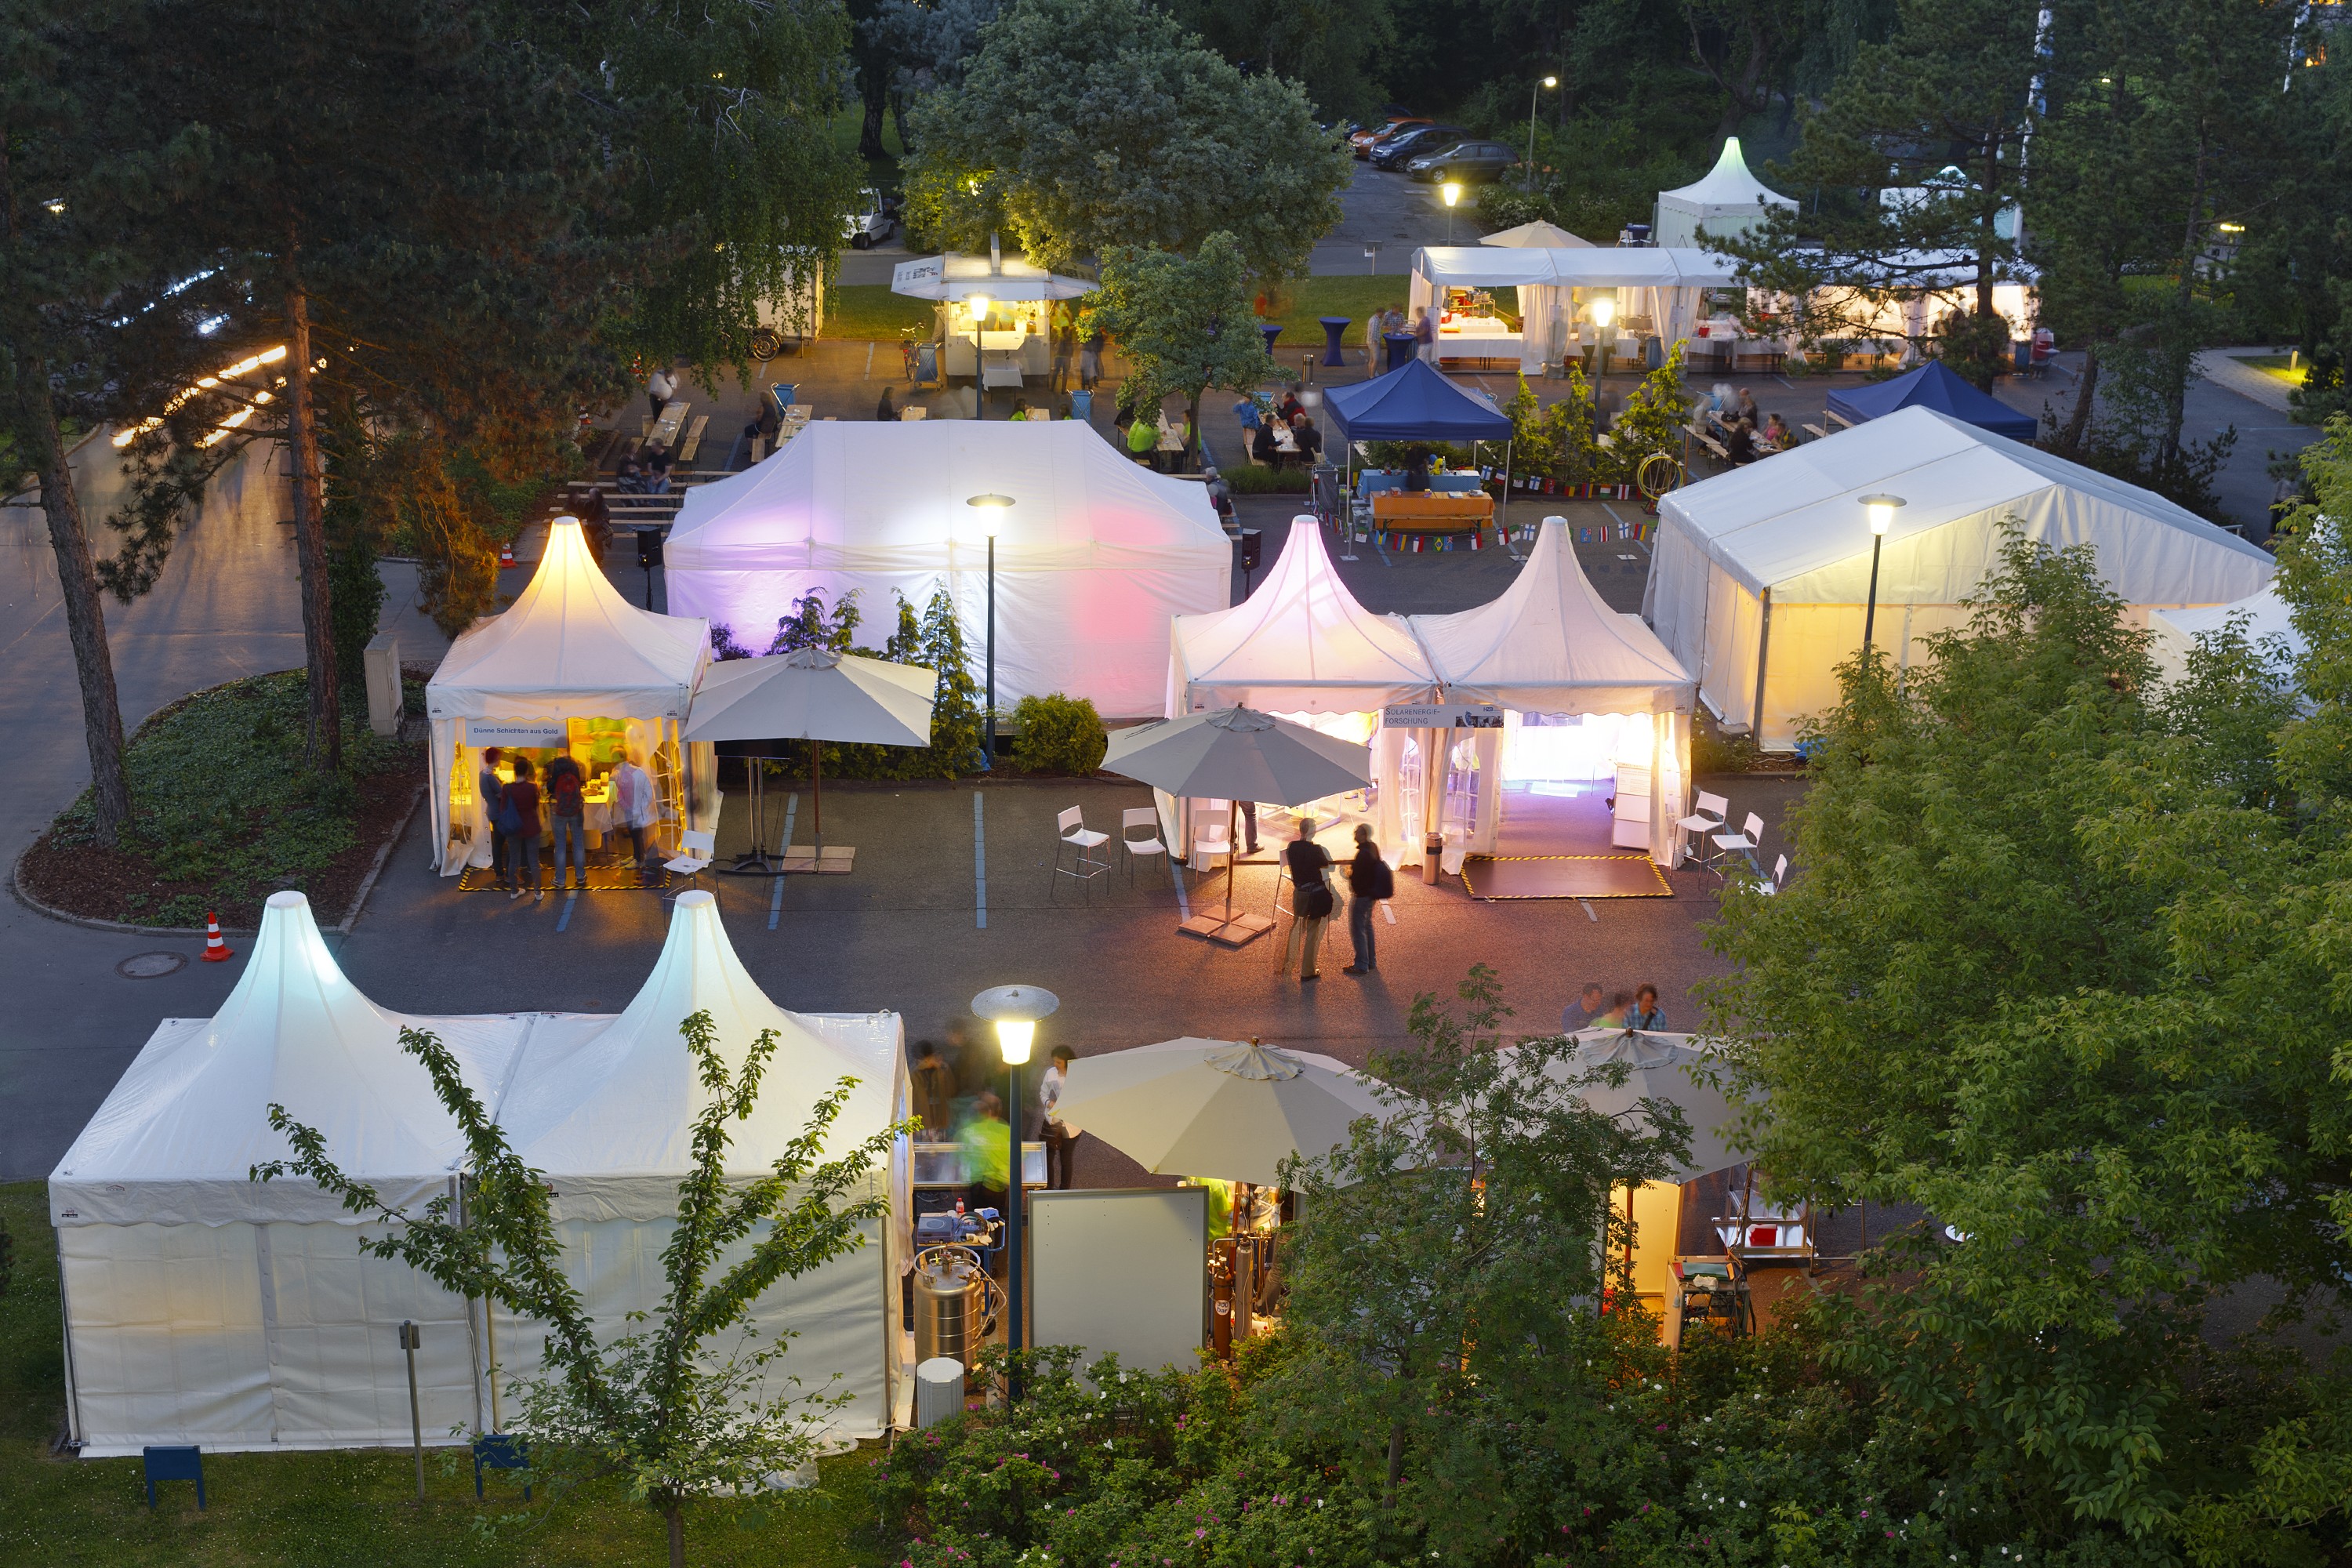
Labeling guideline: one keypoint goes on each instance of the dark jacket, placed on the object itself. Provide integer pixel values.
(564, 782)
(523, 796)
(1310, 897)
(1368, 876)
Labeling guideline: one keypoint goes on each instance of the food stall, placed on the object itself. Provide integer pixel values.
(1663, 286)
(571, 665)
(1473, 334)
(995, 317)
(1416, 402)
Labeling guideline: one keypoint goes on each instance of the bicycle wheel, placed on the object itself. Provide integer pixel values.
(1659, 473)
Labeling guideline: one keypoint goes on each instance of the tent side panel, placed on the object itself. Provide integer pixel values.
(1734, 625)
(1674, 600)
(335, 1360)
(1809, 642)
(167, 1336)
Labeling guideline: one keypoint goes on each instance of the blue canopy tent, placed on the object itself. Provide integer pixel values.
(1934, 387)
(1417, 402)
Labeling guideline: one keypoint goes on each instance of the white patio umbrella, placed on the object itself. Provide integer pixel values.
(1216, 1108)
(1238, 753)
(813, 694)
(1667, 1068)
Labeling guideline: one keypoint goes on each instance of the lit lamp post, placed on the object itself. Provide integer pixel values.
(1881, 511)
(1453, 189)
(992, 516)
(978, 304)
(1015, 1010)
(1603, 311)
(1548, 82)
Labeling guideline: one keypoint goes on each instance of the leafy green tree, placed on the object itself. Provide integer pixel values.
(1185, 323)
(1083, 125)
(1558, 441)
(1332, 50)
(1651, 423)
(669, 1408)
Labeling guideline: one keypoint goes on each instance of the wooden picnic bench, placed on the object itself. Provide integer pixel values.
(685, 448)
(1815, 431)
(1698, 433)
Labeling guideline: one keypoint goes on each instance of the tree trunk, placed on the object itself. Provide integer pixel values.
(1396, 1463)
(675, 1516)
(876, 97)
(1192, 427)
(326, 738)
(2086, 392)
(102, 709)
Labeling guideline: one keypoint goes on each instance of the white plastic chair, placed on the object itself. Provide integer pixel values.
(1073, 833)
(1145, 817)
(1707, 817)
(1780, 877)
(1743, 842)
(1213, 836)
(693, 857)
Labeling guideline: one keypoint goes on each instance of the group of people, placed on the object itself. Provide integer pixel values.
(1314, 898)
(1634, 1009)
(1745, 436)
(551, 803)
(956, 1100)
(1259, 422)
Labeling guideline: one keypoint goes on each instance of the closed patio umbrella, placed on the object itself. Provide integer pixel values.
(812, 694)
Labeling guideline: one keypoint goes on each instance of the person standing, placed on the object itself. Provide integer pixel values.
(1091, 361)
(660, 390)
(490, 787)
(1645, 1014)
(520, 799)
(1619, 1006)
(1246, 412)
(1310, 902)
(567, 817)
(1369, 879)
(934, 1089)
(632, 801)
(1309, 440)
(1065, 345)
(1060, 1138)
(1424, 335)
(987, 1145)
(1579, 1014)
(1248, 810)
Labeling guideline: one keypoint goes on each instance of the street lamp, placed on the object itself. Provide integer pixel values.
(1603, 311)
(979, 306)
(1880, 512)
(1015, 1010)
(992, 517)
(1547, 81)
(1453, 189)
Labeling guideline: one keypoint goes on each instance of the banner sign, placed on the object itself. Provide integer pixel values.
(1442, 716)
(515, 732)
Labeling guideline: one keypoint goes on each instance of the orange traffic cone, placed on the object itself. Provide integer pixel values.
(506, 555)
(215, 950)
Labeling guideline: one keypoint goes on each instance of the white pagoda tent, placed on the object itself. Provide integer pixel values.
(571, 662)
(204, 1307)
(1760, 576)
(1728, 200)
(1551, 645)
(1094, 557)
(606, 1107)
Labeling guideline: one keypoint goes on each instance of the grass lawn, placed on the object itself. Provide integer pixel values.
(2284, 366)
(351, 1510)
(871, 311)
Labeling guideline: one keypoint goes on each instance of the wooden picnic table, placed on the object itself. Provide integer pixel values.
(666, 428)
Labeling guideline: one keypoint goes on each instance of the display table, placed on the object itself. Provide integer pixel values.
(1428, 512)
(1481, 339)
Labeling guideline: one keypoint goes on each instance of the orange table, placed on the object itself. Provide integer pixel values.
(1432, 513)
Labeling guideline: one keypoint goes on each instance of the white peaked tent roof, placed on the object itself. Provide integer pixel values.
(1551, 645)
(1300, 644)
(1794, 523)
(608, 1111)
(174, 1144)
(954, 277)
(2267, 616)
(1727, 188)
(1540, 232)
(571, 646)
(1590, 266)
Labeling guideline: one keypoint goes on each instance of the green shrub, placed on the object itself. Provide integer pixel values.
(1058, 734)
(1258, 481)
(1713, 752)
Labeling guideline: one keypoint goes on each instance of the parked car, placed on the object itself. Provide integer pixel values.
(1363, 136)
(1465, 161)
(870, 221)
(1396, 151)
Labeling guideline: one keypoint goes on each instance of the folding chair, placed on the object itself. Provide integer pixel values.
(1073, 833)
(1707, 819)
(174, 1463)
(497, 1451)
(1146, 819)
(692, 859)
(1743, 842)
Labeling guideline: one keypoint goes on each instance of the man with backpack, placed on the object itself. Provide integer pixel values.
(1369, 879)
(567, 817)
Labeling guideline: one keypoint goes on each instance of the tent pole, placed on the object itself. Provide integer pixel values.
(1509, 448)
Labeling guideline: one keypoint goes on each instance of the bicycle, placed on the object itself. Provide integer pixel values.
(907, 354)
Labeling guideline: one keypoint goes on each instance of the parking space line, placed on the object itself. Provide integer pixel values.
(980, 857)
(776, 898)
(1588, 911)
(1184, 904)
(776, 906)
(565, 919)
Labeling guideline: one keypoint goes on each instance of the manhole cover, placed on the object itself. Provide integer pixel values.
(151, 965)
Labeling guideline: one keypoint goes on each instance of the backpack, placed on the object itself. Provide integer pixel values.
(567, 792)
(507, 820)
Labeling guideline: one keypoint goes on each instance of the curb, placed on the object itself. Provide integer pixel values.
(383, 854)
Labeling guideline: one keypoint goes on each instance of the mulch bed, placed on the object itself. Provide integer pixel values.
(100, 884)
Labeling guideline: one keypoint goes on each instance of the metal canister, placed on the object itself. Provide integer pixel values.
(950, 1302)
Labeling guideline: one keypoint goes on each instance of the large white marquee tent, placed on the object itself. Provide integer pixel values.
(204, 1308)
(568, 647)
(1760, 576)
(1666, 284)
(1094, 559)
(2267, 619)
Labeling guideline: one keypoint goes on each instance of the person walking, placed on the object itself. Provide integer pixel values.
(1091, 361)
(520, 803)
(934, 1089)
(633, 800)
(660, 390)
(567, 817)
(987, 1147)
(490, 787)
(1065, 345)
(1310, 902)
(1424, 335)
(1579, 1014)
(1645, 1014)
(1060, 1138)
(1369, 879)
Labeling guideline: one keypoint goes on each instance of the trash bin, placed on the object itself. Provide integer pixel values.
(1082, 407)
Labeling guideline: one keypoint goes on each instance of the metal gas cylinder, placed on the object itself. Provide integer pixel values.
(951, 1304)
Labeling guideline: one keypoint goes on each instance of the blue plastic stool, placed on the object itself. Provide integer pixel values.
(497, 1451)
(174, 1464)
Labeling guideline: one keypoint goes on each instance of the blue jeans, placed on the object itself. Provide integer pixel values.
(1360, 930)
(522, 860)
(572, 838)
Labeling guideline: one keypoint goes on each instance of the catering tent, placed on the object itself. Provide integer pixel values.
(1933, 385)
(2265, 618)
(1415, 402)
(570, 662)
(606, 1107)
(1760, 576)
(1663, 285)
(1551, 645)
(203, 1307)
(1539, 233)
(1725, 201)
(1094, 559)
